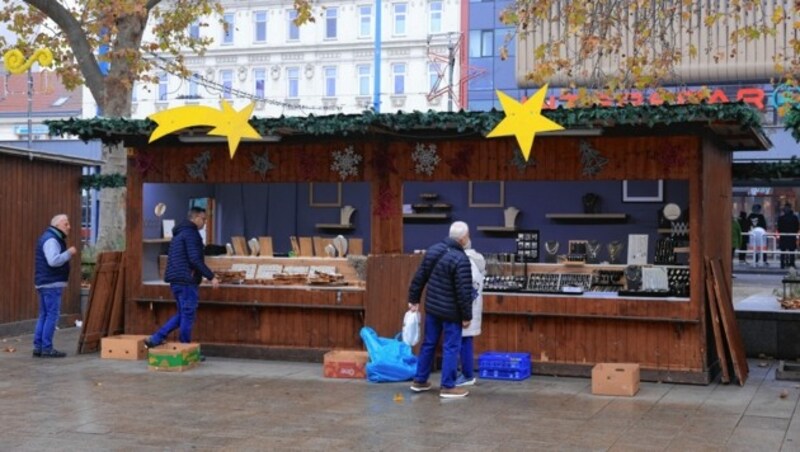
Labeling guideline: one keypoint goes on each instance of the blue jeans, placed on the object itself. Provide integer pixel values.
(49, 311)
(467, 358)
(434, 326)
(186, 297)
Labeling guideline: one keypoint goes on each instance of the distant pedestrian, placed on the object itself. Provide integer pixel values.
(478, 266)
(736, 237)
(446, 271)
(51, 277)
(788, 227)
(758, 230)
(744, 225)
(185, 270)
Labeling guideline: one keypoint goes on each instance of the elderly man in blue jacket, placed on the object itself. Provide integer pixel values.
(446, 272)
(185, 269)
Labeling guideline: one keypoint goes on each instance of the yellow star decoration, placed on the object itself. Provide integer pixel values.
(523, 120)
(226, 122)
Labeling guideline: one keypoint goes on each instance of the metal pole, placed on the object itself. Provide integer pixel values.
(30, 109)
(376, 95)
(451, 61)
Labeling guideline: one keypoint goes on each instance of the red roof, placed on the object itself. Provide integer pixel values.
(49, 95)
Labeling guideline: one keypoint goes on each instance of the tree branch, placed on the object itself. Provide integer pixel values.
(151, 4)
(80, 45)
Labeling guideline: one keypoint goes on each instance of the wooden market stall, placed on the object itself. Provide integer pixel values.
(686, 146)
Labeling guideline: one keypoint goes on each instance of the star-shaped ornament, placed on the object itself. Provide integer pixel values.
(523, 120)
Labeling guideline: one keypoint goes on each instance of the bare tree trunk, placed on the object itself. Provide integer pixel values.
(112, 201)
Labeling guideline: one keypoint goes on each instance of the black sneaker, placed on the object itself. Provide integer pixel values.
(53, 354)
(37, 353)
(202, 358)
(150, 344)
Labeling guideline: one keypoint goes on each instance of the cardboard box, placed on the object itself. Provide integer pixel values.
(345, 364)
(616, 379)
(173, 357)
(124, 346)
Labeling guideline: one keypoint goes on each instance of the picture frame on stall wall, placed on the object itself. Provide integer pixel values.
(481, 194)
(166, 226)
(318, 199)
(643, 190)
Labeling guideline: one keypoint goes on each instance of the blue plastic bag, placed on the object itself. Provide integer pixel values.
(390, 359)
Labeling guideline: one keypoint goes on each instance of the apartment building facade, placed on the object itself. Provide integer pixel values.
(328, 66)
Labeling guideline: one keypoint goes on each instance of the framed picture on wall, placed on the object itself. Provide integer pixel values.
(325, 194)
(643, 190)
(486, 194)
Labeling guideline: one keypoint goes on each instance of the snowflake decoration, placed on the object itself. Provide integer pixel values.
(197, 169)
(261, 164)
(346, 162)
(591, 160)
(518, 160)
(426, 158)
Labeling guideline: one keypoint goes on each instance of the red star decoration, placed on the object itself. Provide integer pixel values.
(143, 163)
(669, 156)
(459, 164)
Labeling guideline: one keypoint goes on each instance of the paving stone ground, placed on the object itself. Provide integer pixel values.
(86, 403)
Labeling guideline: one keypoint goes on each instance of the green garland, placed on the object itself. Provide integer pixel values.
(116, 129)
(767, 170)
(98, 181)
(792, 121)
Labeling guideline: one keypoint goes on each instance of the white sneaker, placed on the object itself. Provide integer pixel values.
(461, 381)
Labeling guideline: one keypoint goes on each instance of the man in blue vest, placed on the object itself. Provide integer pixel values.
(50, 277)
(185, 270)
(447, 273)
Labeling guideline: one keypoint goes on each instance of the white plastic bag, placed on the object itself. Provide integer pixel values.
(411, 328)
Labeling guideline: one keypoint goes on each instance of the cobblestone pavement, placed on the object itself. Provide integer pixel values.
(86, 403)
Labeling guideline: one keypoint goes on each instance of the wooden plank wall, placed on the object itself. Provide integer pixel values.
(388, 277)
(31, 193)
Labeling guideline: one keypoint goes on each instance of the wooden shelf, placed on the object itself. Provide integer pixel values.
(156, 240)
(344, 227)
(426, 216)
(588, 217)
(669, 231)
(497, 229)
(684, 249)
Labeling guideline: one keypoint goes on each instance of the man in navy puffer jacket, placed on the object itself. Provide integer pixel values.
(185, 269)
(446, 272)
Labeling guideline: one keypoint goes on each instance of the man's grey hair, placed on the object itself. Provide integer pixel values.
(458, 230)
(57, 219)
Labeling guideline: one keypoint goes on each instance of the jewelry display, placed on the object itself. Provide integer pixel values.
(577, 251)
(583, 281)
(607, 280)
(551, 247)
(633, 278)
(665, 251)
(591, 202)
(592, 252)
(543, 282)
(528, 246)
(678, 281)
(614, 248)
(504, 283)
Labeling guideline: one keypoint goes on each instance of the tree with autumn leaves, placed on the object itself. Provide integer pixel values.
(603, 49)
(125, 34)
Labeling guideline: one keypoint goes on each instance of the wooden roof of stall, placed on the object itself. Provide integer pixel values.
(737, 125)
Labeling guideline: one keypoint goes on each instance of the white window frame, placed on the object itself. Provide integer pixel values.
(194, 29)
(361, 75)
(193, 88)
(292, 81)
(329, 78)
(397, 73)
(396, 15)
(228, 35)
(365, 20)
(263, 78)
(163, 87)
(433, 75)
(291, 15)
(331, 19)
(223, 79)
(435, 17)
(259, 23)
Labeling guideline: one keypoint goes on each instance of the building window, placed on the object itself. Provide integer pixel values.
(330, 23)
(481, 43)
(228, 29)
(436, 17)
(364, 21)
(260, 26)
(260, 78)
(330, 81)
(399, 19)
(294, 30)
(399, 78)
(192, 91)
(293, 77)
(194, 30)
(163, 86)
(364, 79)
(134, 93)
(433, 76)
(226, 80)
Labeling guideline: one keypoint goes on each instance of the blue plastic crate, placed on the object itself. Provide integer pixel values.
(504, 366)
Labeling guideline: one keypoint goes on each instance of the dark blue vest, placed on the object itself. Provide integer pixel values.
(45, 274)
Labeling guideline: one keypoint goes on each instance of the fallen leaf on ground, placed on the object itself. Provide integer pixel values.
(398, 398)
(10, 349)
(784, 394)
